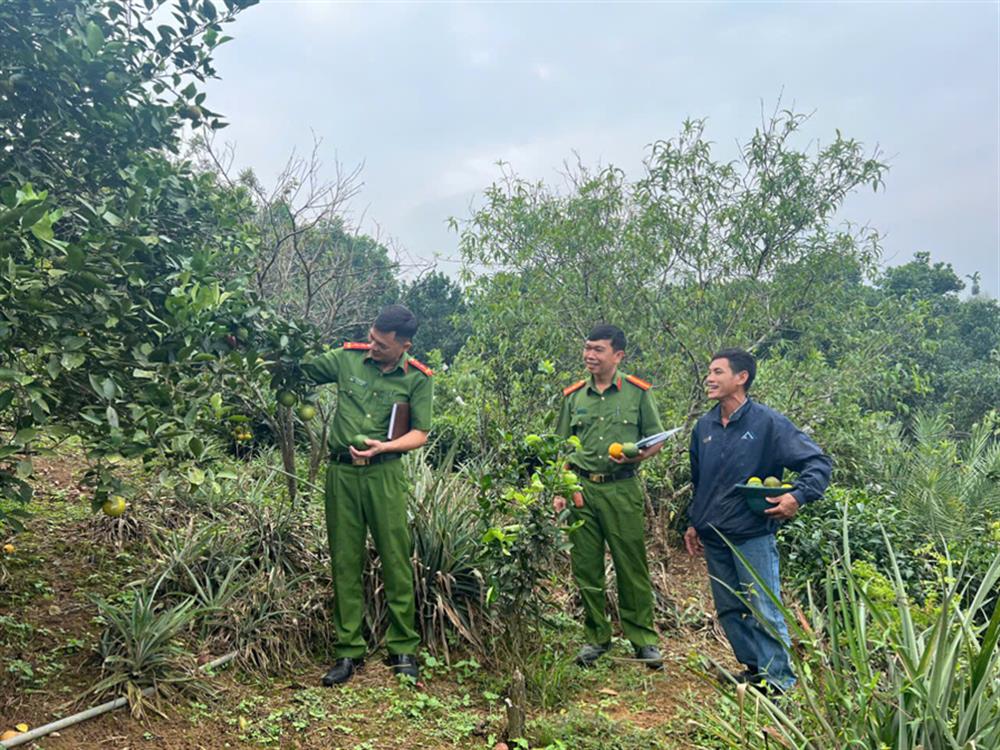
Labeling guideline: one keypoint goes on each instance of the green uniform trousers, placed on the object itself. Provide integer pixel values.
(359, 498)
(613, 513)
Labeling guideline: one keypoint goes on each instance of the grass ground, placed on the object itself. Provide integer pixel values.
(49, 628)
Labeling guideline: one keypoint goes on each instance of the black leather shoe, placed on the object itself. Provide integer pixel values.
(591, 653)
(342, 670)
(748, 675)
(650, 655)
(405, 664)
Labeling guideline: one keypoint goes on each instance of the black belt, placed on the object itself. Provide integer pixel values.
(602, 478)
(347, 458)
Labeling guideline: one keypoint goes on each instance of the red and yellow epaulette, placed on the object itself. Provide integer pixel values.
(574, 388)
(638, 382)
(358, 345)
(420, 366)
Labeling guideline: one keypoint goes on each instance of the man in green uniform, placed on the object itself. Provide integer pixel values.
(365, 484)
(610, 407)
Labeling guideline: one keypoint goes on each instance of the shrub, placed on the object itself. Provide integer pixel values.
(448, 583)
(520, 541)
(950, 489)
(141, 648)
(871, 676)
(811, 541)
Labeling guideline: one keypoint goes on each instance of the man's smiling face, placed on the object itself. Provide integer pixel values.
(721, 382)
(600, 357)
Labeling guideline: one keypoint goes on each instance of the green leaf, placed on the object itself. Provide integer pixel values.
(33, 215)
(134, 203)
(42, 229)
(39, 410)
(196, 476)
(112, 218)
(72, 360)
(24, 468)
(95, 38)
(25, 436)
(112, 417)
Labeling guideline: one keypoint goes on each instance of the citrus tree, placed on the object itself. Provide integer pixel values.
(116, 294)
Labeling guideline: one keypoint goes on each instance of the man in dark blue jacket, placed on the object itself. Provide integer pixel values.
(736, 440)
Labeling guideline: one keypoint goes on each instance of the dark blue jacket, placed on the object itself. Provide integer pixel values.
(757, 442)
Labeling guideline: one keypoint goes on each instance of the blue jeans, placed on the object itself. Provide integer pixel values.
(752, 642)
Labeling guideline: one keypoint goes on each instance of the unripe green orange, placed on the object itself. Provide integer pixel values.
(114, 506)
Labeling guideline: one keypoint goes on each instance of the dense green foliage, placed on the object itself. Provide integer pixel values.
(954, 345)
(112, 293)
(150, 306)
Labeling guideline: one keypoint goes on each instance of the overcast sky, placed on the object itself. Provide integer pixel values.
(429, 96)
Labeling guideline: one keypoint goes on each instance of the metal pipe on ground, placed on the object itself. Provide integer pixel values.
(90, 713)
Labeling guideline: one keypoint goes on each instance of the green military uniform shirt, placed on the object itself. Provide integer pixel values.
(624, 413)
(365, 394)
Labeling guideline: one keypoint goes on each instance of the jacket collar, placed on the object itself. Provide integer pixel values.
(403, 363)
(616, 383)
(736, 416)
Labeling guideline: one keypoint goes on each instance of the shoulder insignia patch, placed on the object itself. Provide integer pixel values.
(573, 388)
(358, 345)
(420, 366)
(638, 382)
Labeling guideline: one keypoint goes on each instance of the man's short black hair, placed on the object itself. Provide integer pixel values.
(740, 360)
(398, 320)
(605, 332)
